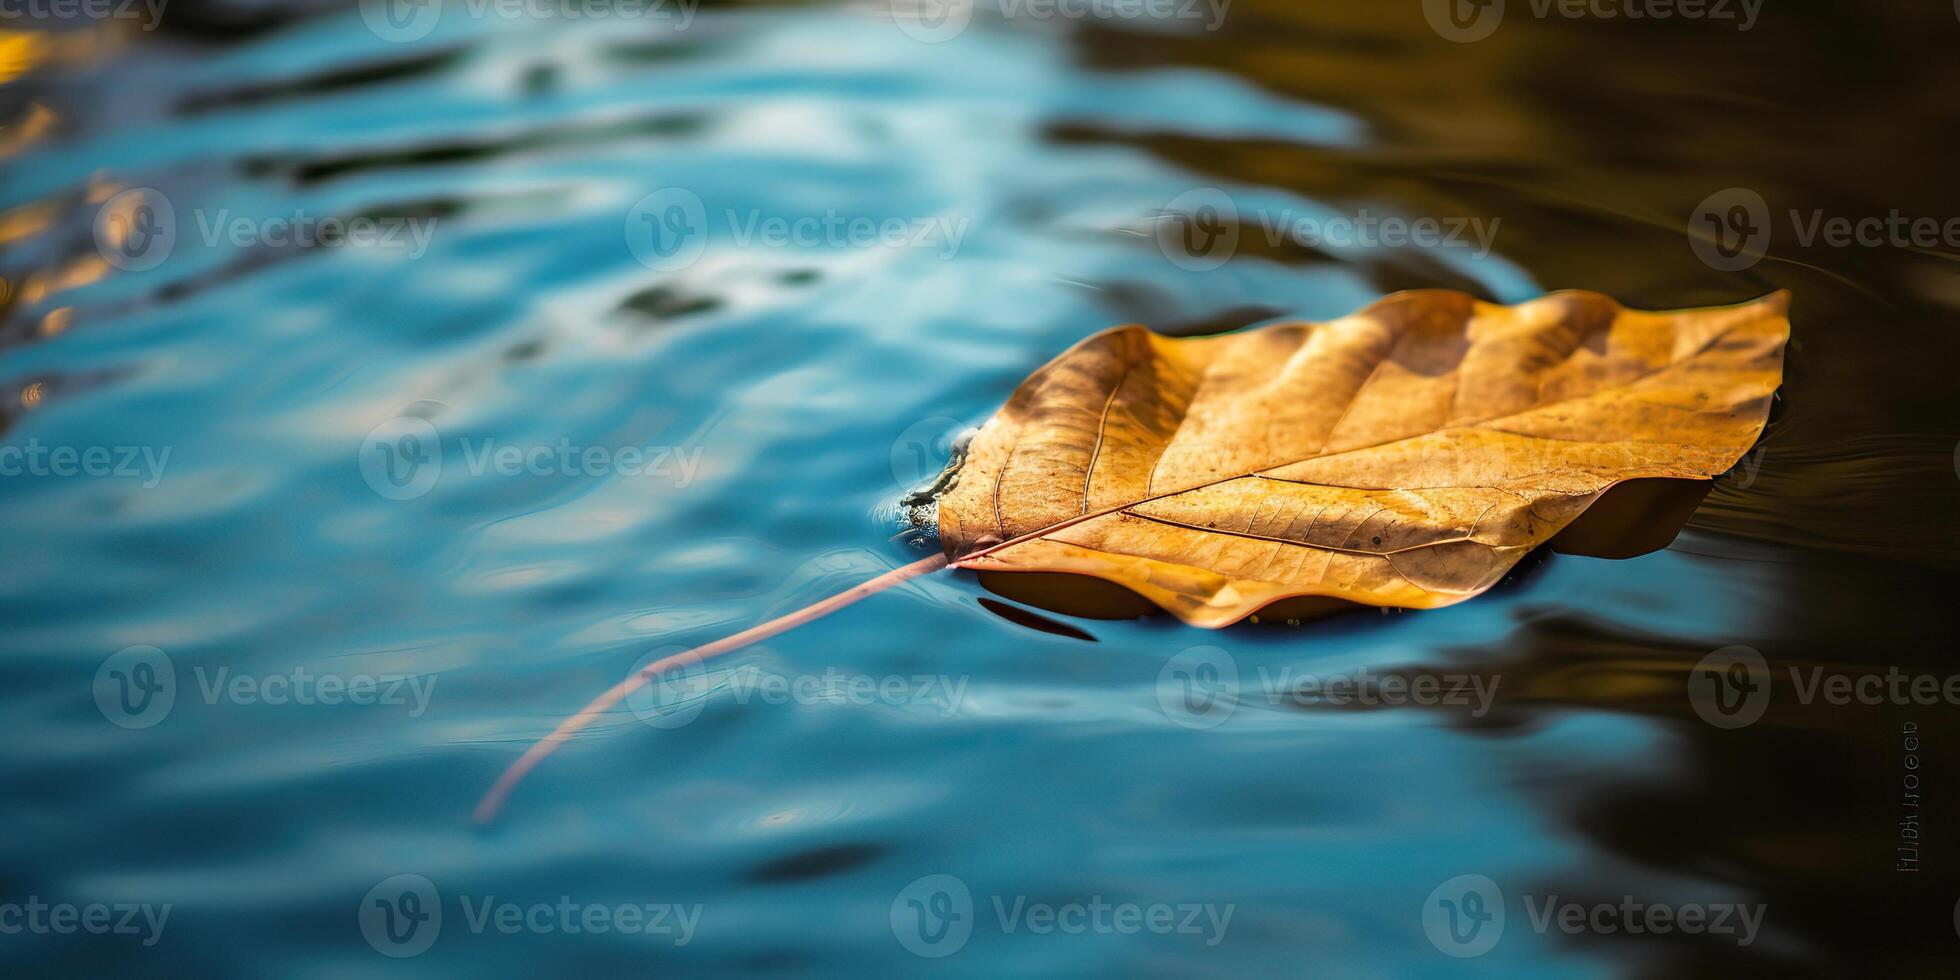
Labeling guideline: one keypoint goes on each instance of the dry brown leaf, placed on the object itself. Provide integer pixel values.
(1406, 455)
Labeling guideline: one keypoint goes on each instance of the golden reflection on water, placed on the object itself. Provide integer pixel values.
(24, 52)
(28, 219)
(57, 320)
(20, 51)
(34, 125)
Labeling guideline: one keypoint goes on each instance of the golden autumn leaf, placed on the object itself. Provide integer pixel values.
(1406, 455)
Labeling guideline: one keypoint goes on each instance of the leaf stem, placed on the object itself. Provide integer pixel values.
(493, 801)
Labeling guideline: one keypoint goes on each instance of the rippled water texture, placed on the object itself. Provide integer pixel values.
(807, 384)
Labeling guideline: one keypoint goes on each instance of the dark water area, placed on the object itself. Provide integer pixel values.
(794, 388)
